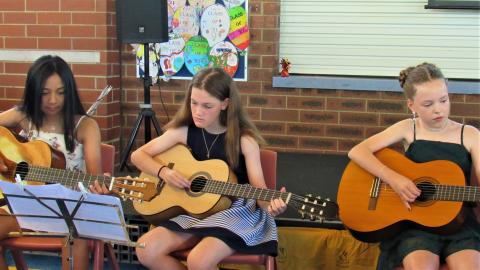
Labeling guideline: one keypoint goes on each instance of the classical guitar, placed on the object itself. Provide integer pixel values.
(212, 186)
(372, 211)
(37, 163)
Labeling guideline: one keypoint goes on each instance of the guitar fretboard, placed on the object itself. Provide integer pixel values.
(242, 191)
(65, 177)
(456, 193)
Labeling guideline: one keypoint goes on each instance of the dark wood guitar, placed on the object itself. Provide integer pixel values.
(212, 185)
(372, 211)
(37, 163)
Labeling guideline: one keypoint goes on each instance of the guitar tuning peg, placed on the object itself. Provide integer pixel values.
(319, 197)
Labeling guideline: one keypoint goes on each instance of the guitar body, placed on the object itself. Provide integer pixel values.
(36, 152)
(373, 219)
(172, 201)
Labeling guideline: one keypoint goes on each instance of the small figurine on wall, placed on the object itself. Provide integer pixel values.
(285, 67)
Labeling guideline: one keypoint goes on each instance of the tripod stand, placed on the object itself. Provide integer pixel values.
(146, 113)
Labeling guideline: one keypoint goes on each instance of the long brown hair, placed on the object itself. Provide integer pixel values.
(412, 76)
(221, 86)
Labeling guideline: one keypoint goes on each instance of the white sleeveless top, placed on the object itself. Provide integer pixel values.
(74, 160)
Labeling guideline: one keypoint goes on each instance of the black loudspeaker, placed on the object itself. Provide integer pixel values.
(142, 21)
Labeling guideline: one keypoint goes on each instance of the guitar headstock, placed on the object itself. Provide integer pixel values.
(134, 189)
(315, 208)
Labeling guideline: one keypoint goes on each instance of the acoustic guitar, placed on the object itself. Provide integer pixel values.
(372, 211)
(212, 186)
(37, 163)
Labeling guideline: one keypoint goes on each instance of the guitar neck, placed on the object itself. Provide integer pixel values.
(457, 193)
(241, 191)
(65, 177)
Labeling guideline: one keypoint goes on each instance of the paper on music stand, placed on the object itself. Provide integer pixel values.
(99, 216)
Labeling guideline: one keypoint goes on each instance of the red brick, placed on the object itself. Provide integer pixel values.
(77, 5)
(15, 67)
(89, 44)
(12, 80)
(78, 31)
(359, 94)
(19, 17)
(20, 43)
(271, 8)
(318, 143)
(12, 5)
(254, 61)
(280, 115)
(281, 141)
(473, 98)
(249, 87)
(14, 92)
(394, 95)
(55, 43)
(465, 109)
(345, 104)
(56, 18)
(13, 30)
(271, 35)
(305, 129)
(263, 48)
(319, 92)
(255, 8)
(386, 106)
(43, 30)
(84, 82)
(306, 103)
(270, 61)
(267, 101)
(363, 119)
(254, 113)
(89, 69)
(457, 97)
(6, 104)
(89, 18)
(318, 117)
(390, 119)
(344, 131)
(347, 145)
(270, 127)
(43, 5)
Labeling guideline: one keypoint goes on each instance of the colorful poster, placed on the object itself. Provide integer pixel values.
(153, 60)
(175, 4)
(239, 33)
(201, 5)
(196, 54)
(215, 24)
(171, 56)
(233, 3)
(185, 22)
(225, 55)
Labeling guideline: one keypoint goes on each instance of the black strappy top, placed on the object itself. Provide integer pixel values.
(216, 150)
(424, 151)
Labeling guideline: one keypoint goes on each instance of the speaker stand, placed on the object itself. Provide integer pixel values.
(146, 113)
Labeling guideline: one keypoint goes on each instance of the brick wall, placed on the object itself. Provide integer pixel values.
(60, 25)
(292, 120)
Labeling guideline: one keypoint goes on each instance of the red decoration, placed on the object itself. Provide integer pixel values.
(285, 67)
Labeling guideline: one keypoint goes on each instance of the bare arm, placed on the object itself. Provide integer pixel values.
(251, 152)
(88, 133)
(11, 118)
(363, 155)
(472, 143)
(142, 158)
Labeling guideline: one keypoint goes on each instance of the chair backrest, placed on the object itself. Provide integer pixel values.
(108, 158)
(268, 158)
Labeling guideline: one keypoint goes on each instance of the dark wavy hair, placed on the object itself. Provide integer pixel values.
(38, 74)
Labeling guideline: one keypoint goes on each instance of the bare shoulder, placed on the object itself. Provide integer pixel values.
(13, 117)
(248, 144)
(88, 124)
(471, 137)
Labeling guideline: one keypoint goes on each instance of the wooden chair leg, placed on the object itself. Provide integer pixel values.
(98, 252)
(20, 262)
(111, 257)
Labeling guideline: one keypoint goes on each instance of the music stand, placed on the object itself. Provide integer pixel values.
(146, 113)
(54, 210)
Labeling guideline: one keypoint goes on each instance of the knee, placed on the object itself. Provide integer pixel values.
(197, 262)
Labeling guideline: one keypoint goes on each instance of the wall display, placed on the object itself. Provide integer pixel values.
(203, 33)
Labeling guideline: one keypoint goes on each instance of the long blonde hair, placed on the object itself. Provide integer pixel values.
(221, 86)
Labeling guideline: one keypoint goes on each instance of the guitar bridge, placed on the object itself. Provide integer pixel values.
(374, 190)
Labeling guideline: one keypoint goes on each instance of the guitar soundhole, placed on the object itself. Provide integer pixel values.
(198, 184)
(428, 190)
(21, 169)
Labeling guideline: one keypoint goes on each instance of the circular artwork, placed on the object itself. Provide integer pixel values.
(224, 55)
(170, 18)
(215, 24)
(200, 5)
(152, 61)
(185, 22)
(175, 4)
(233, 3)
(171, 56)
(239, 33)
(196, 54)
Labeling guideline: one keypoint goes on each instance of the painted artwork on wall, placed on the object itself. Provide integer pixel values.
(202, 33)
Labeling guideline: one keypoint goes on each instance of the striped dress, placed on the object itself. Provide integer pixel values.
(244, 227)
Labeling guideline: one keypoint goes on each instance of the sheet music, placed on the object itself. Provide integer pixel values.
(94, 210)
